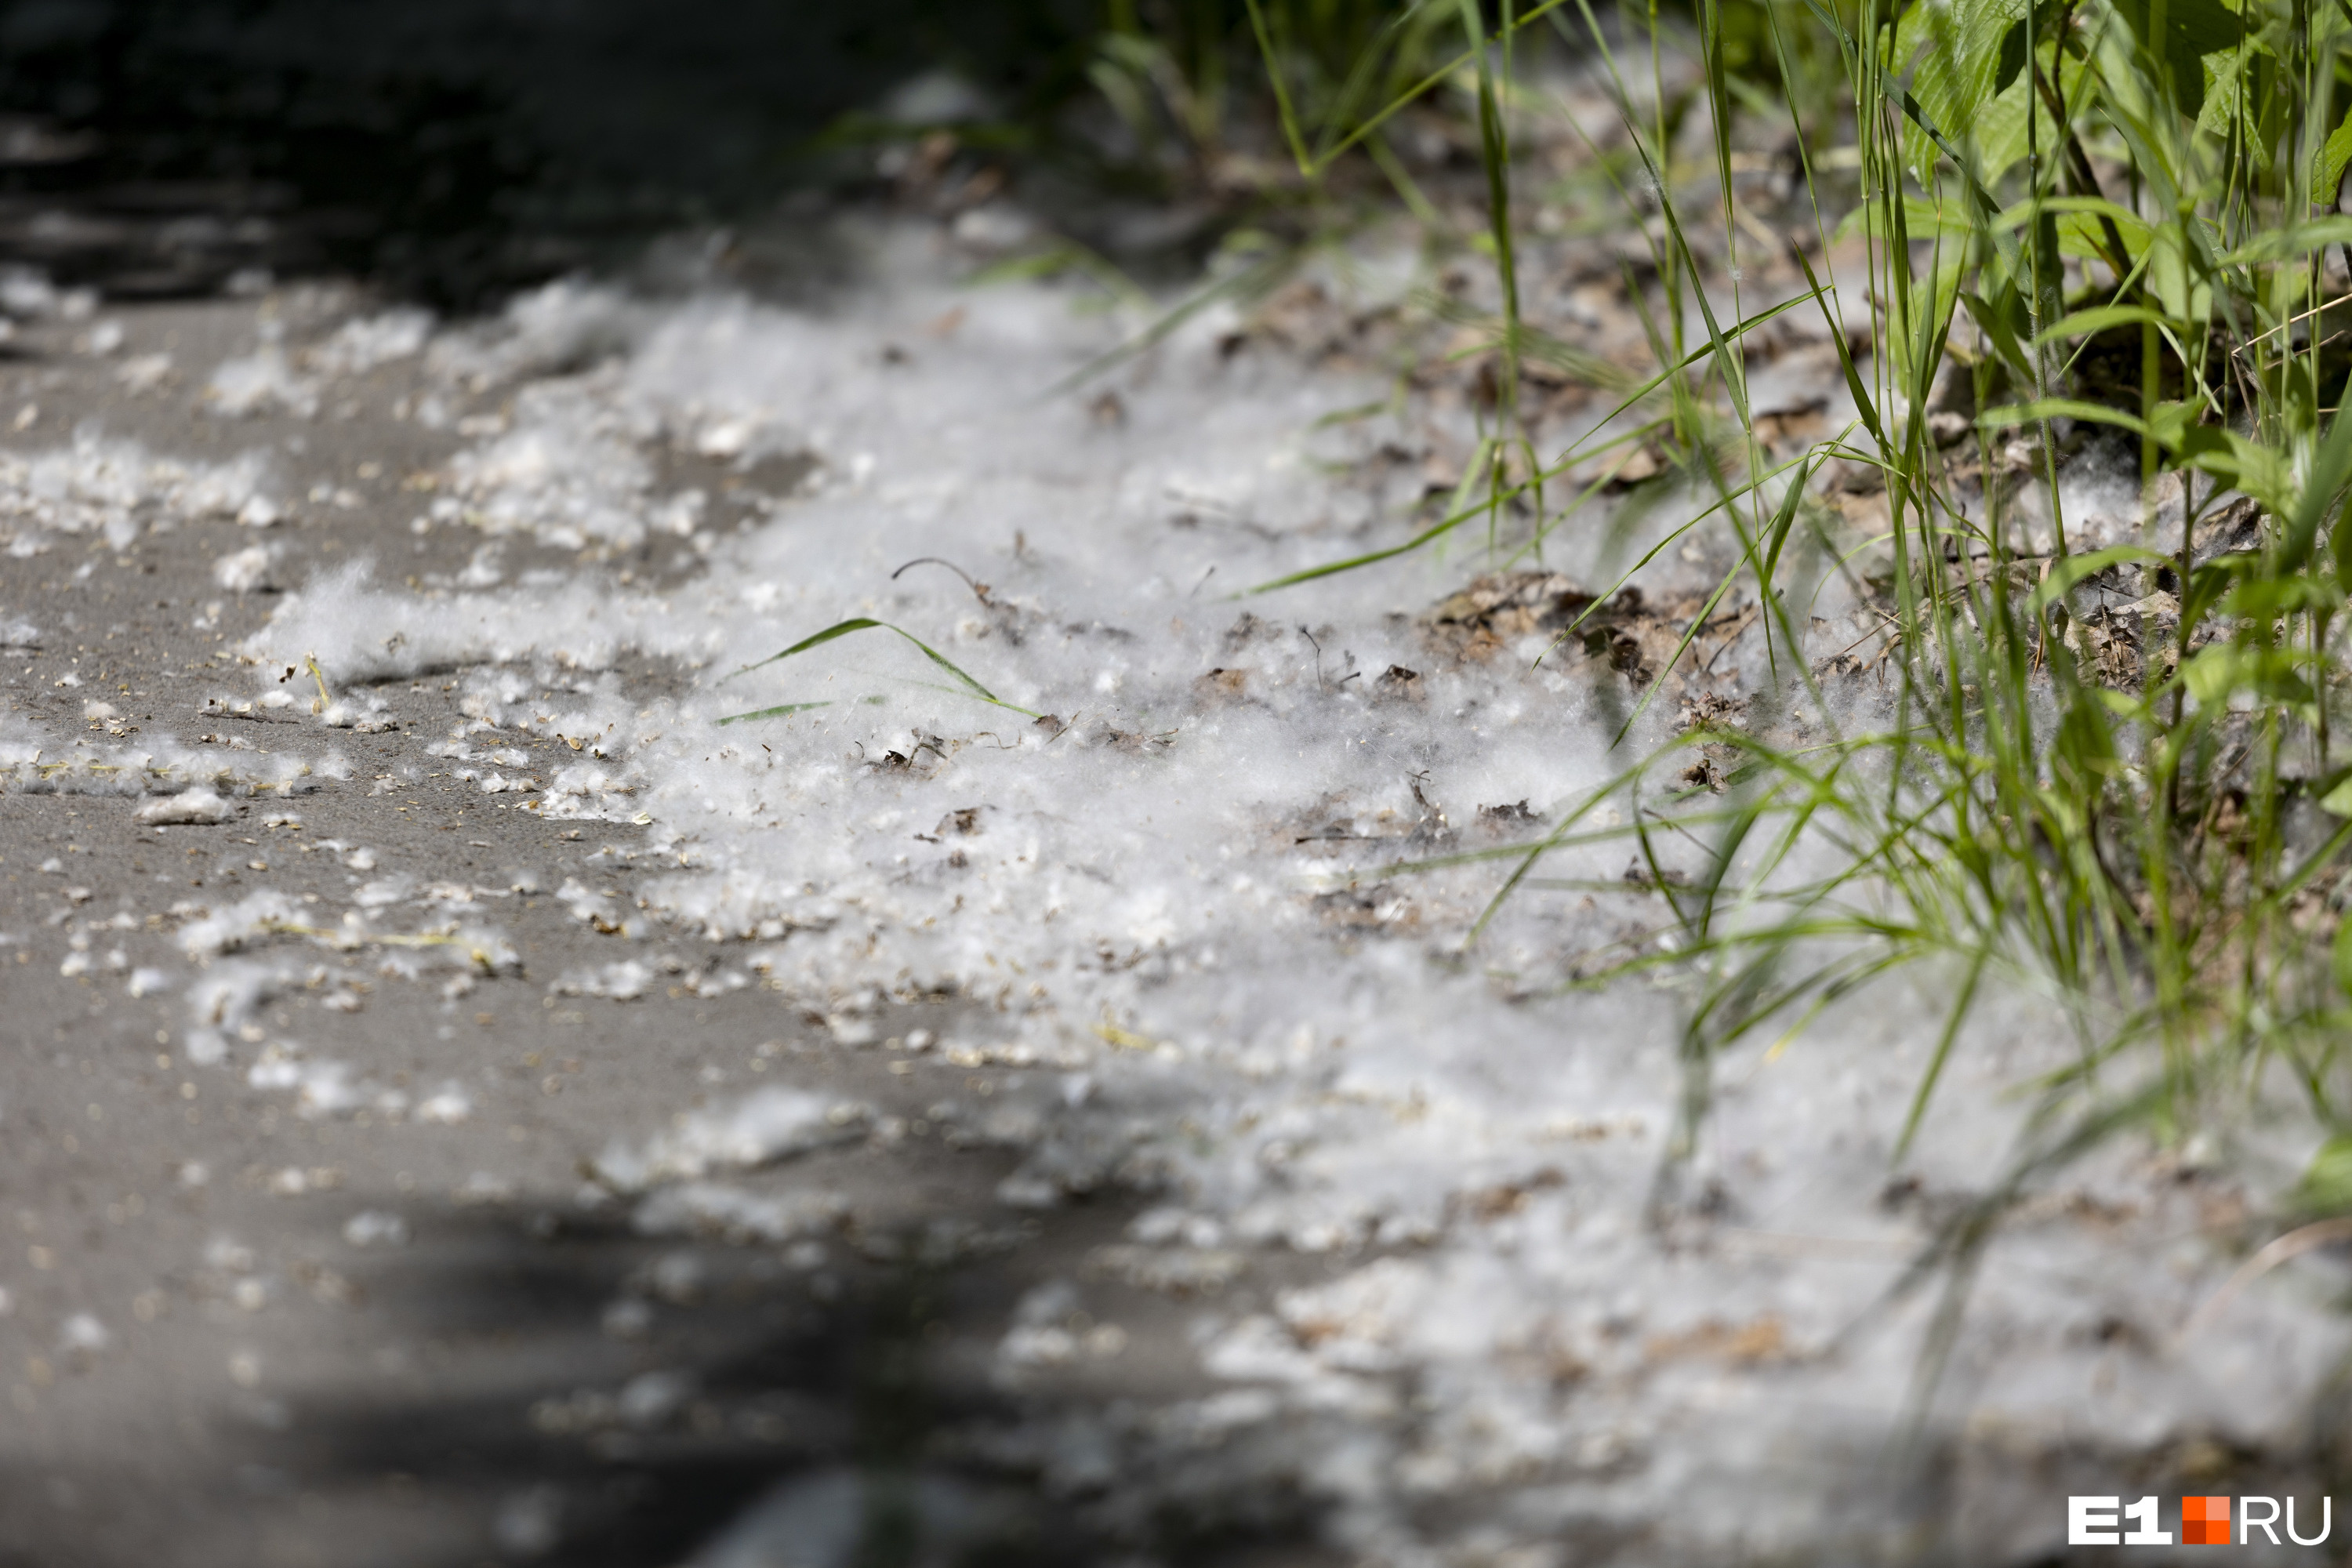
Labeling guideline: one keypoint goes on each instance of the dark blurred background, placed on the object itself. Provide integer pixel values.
(454, 149)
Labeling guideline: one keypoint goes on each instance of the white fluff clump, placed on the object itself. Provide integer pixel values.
(242, 571)
(195, 807)
(1181, 888)
(771, 1124)
(99, 484)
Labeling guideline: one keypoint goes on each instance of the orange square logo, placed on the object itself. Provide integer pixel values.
(2205, 1522)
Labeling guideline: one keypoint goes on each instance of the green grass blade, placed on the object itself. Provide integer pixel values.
(1927, 1080)
(1865, 405)
(863, 623)
(1567, 461)
(778, 711)
(2010, 416)
(1274, 76)
(2331, 470)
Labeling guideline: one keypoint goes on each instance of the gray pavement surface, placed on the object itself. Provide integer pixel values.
(235, 1334)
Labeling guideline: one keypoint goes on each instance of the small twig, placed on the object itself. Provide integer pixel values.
(2285, 1249)
(1746, 618)
(1886, 623)
(2290, 320)
(980, 590)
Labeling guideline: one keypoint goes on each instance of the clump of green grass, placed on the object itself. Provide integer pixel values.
(2150, 830)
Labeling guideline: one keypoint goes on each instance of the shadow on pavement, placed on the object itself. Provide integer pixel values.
(570, 1392)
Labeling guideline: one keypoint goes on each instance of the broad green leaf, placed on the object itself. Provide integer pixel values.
(2339, 802)
(2241, 83)
(2075, 568)
(2328, 1180)
(2021, 214)
(1997, 133)
(2220, 670)
(2212, 673)
(2085, 236)
(2081, 223)
(2261, 471)
(2331, 470)
(2340, 541)
(2100, 318)
(1986, 209)
(1922, 220)
(2176, 425)
(2302, 239)
(2043, 408)
(2016, 43)
(1955, 49)
(2175, 274)
(2085, 742)
(1928, 327)
(2327, 163)
(2193, 29)
(2001, 320)
(2210, 581)
(2263, 598)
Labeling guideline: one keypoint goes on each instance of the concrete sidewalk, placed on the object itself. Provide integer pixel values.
(237, 1329)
